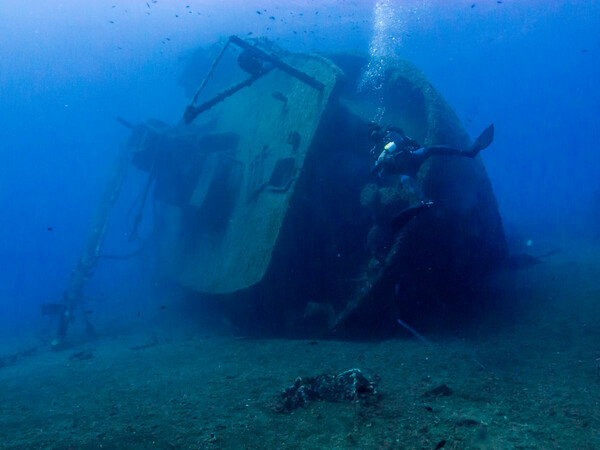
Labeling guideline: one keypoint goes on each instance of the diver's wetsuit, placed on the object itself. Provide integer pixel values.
(403, 155)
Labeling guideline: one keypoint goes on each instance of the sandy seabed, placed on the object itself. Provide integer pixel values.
(534, 384)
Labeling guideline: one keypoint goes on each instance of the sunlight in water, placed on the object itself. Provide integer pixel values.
(383, 46)
(390, 25)
(383, 49)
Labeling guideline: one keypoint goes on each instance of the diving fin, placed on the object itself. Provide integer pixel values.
(483, 141)
(407, 214)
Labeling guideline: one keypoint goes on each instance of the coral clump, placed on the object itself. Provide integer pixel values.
(369, 196)
(350, 385)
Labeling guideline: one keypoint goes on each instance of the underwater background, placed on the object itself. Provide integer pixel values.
(68, 69)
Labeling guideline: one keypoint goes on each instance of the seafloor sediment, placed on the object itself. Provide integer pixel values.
(531, 384)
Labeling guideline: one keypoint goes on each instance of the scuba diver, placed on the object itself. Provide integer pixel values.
(403, 155)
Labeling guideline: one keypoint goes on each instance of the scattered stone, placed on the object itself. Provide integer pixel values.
(349, 385)
(441, 391)
(10, 359)
(467, 423)
(81, 356)
(152, 343)
(440, 444)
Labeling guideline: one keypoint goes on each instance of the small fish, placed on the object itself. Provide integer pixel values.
(49, 229)
(89, 311)
(473, 5)
(249, 33)
(272, 17)
(258, 12)
(148, 5)
(111, 21)
(499, 1)
(584, 51)
(163, 307)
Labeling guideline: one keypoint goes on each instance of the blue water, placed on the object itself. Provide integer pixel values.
(69, 68)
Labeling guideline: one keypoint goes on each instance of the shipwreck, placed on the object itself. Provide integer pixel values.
(266, 205)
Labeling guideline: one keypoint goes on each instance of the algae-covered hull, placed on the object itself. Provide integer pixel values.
(221, 241)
